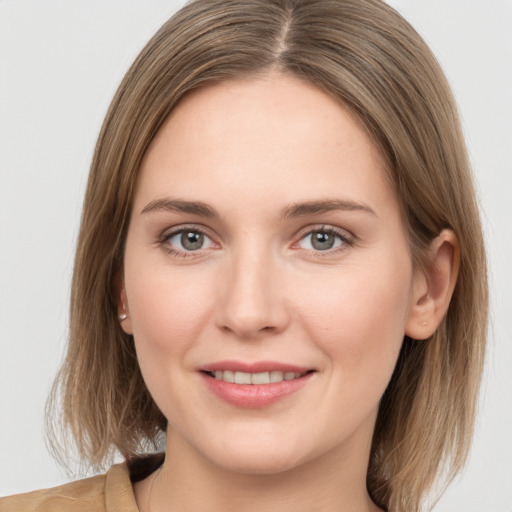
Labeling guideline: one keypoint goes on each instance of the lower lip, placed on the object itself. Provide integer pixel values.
(253, 396)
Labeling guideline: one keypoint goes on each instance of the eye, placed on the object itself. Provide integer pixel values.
(186, 240)
(324, 239)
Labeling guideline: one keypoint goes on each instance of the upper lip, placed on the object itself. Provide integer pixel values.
(254, 367)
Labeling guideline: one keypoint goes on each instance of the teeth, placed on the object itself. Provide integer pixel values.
(260, 378)
(276, 376)
(256, 378)
(242, 378)
(228, 376)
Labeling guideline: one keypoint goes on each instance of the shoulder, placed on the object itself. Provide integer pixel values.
(103, 493)
(87, 494)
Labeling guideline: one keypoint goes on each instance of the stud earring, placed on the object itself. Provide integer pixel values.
(424, 324)
(122, 316)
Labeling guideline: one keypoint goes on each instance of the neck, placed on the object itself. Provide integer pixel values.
(189, 482)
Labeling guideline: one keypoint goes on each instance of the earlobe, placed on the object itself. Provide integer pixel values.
(123, 315)
(433, 287)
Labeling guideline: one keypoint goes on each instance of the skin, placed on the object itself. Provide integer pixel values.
(259, 290)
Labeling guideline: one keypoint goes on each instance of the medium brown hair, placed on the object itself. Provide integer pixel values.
(365, 55)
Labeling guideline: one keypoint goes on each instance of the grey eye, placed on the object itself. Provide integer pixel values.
(189, 240)
(192, 240)
(321, 240)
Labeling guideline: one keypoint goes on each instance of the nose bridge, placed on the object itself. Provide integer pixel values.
(252, 301)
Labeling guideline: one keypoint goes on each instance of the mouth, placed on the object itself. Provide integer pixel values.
(260, 378)
(254, 385)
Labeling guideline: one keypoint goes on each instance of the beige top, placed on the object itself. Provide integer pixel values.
(112, 492)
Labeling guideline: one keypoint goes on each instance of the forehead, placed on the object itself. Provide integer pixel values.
(265, 137)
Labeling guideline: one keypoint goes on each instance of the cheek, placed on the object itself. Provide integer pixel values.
(168, 312)
(358, 319)
(166, 309)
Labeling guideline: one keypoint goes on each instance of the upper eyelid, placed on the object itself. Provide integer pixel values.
(167, 234)
(347, 240)
(171, 231)
(163, 241)
(341, 232)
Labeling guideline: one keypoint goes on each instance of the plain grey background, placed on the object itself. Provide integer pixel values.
(60, 63)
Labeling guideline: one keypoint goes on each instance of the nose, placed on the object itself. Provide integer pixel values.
(252, 300)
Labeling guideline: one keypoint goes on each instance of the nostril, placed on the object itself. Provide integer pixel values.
(246, 330)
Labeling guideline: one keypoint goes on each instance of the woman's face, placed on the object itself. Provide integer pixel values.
(266, 246)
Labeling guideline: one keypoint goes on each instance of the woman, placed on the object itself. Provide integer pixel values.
(280, 265)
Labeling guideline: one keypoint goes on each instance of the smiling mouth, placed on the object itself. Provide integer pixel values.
(271, 377)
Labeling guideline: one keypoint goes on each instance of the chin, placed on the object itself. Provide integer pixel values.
(259, 457)
(257, 463)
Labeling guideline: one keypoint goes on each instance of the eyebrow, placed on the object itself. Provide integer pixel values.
(178, 205)
(291, 211)
(315, 207)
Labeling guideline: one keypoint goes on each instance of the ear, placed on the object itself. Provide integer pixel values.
(433, 287)
(123, 313)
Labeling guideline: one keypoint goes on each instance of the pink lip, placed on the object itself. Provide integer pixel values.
(253, 396)
(257, 367)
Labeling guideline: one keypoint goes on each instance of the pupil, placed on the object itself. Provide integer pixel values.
(322, 241)
(192, 240)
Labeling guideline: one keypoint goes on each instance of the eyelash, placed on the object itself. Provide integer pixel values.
(347, 240)
(168, 235)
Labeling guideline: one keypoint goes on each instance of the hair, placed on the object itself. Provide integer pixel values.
(367, 57)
